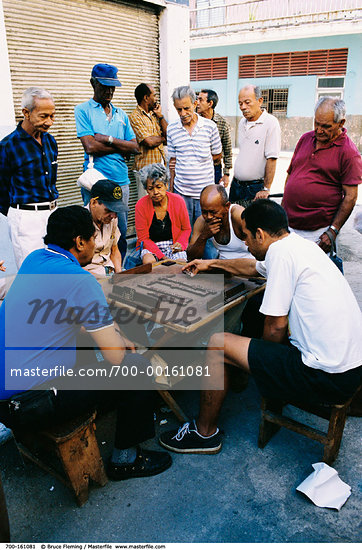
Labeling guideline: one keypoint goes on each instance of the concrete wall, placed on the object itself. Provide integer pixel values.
(302, 89)
(174, 54)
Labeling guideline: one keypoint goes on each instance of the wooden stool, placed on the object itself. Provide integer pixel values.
(75, 444)
(272, 420)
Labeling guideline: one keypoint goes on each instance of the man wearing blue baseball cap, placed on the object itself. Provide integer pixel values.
(106, 134)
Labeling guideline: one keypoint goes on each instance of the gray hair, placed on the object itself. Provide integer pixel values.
(154, 172)
(183, 91)
(256, 89)
(338, 106)
(33, 93)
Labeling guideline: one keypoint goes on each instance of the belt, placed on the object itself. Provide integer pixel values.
(251, 182)
(49, 206)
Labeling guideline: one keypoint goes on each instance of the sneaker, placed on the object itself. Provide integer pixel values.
(188, 440)
(147, 463)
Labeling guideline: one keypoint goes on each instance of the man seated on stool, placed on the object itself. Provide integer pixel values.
(220, 221)
(104, 205)
(51, 301)
(311, 348)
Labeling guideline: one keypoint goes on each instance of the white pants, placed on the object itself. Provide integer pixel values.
(310, 235)
(27, 229)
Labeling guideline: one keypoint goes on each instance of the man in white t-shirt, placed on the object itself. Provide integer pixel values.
(259, 147)
(311, 348)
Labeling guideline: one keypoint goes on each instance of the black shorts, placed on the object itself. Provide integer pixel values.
(280, 373)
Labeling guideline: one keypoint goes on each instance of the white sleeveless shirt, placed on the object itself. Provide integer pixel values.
(236, 248)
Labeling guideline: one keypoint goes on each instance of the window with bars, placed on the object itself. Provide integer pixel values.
(275, 100)
(313, 62)
(215, 68)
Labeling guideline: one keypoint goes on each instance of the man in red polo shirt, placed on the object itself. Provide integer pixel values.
(321, 186)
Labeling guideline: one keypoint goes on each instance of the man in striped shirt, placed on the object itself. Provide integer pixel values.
(193, 146)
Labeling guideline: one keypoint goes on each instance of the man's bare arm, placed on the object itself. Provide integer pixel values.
(342, 215)
(99, 145)
(239, 266)
(201, 232)
(116, 258)
(172, 168)
(122, 146)
(269, 174)
(110, 343)
(276, 329)
(153, 141)
(215, 158)
(161, 119)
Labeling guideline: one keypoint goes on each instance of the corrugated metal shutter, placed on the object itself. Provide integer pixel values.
(55, 43)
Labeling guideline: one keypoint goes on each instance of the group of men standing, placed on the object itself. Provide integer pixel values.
(320, 191)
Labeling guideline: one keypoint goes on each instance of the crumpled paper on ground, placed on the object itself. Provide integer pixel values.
(324, 487)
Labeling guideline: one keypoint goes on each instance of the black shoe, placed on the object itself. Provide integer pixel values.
(188, 440)
(147, 463)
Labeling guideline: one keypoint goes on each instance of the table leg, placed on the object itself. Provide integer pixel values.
(176, 409)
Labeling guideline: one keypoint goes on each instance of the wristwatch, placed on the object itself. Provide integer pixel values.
(266, 189)
(334, 229)
(110, 139)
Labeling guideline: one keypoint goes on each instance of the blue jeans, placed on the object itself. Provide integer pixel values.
(243, 193)
(218, 173)
(122, 217)
(194, 211)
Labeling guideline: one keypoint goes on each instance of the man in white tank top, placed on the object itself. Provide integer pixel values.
(221, 222)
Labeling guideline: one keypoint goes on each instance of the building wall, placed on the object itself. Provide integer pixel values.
(302, 89)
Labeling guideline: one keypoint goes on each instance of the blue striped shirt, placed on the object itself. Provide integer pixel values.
(28, 170)
(194, 164)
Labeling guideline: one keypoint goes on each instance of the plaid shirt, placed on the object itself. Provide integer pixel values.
(28, 170)
(146, 125)
(225, 136)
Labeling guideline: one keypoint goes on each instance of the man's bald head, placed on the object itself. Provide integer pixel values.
(214, 193)
(214, 203)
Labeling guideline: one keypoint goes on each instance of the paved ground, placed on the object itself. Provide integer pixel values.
(243, 494)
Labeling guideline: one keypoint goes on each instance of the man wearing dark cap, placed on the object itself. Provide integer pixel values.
(105, 204)
(106, 134)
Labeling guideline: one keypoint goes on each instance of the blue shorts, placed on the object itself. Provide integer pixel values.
(280, 373)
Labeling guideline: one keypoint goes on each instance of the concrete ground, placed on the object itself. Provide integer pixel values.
(243, 494)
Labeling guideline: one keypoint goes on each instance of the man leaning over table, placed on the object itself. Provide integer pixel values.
(104, 205)
(55, 275)
(305, 353)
